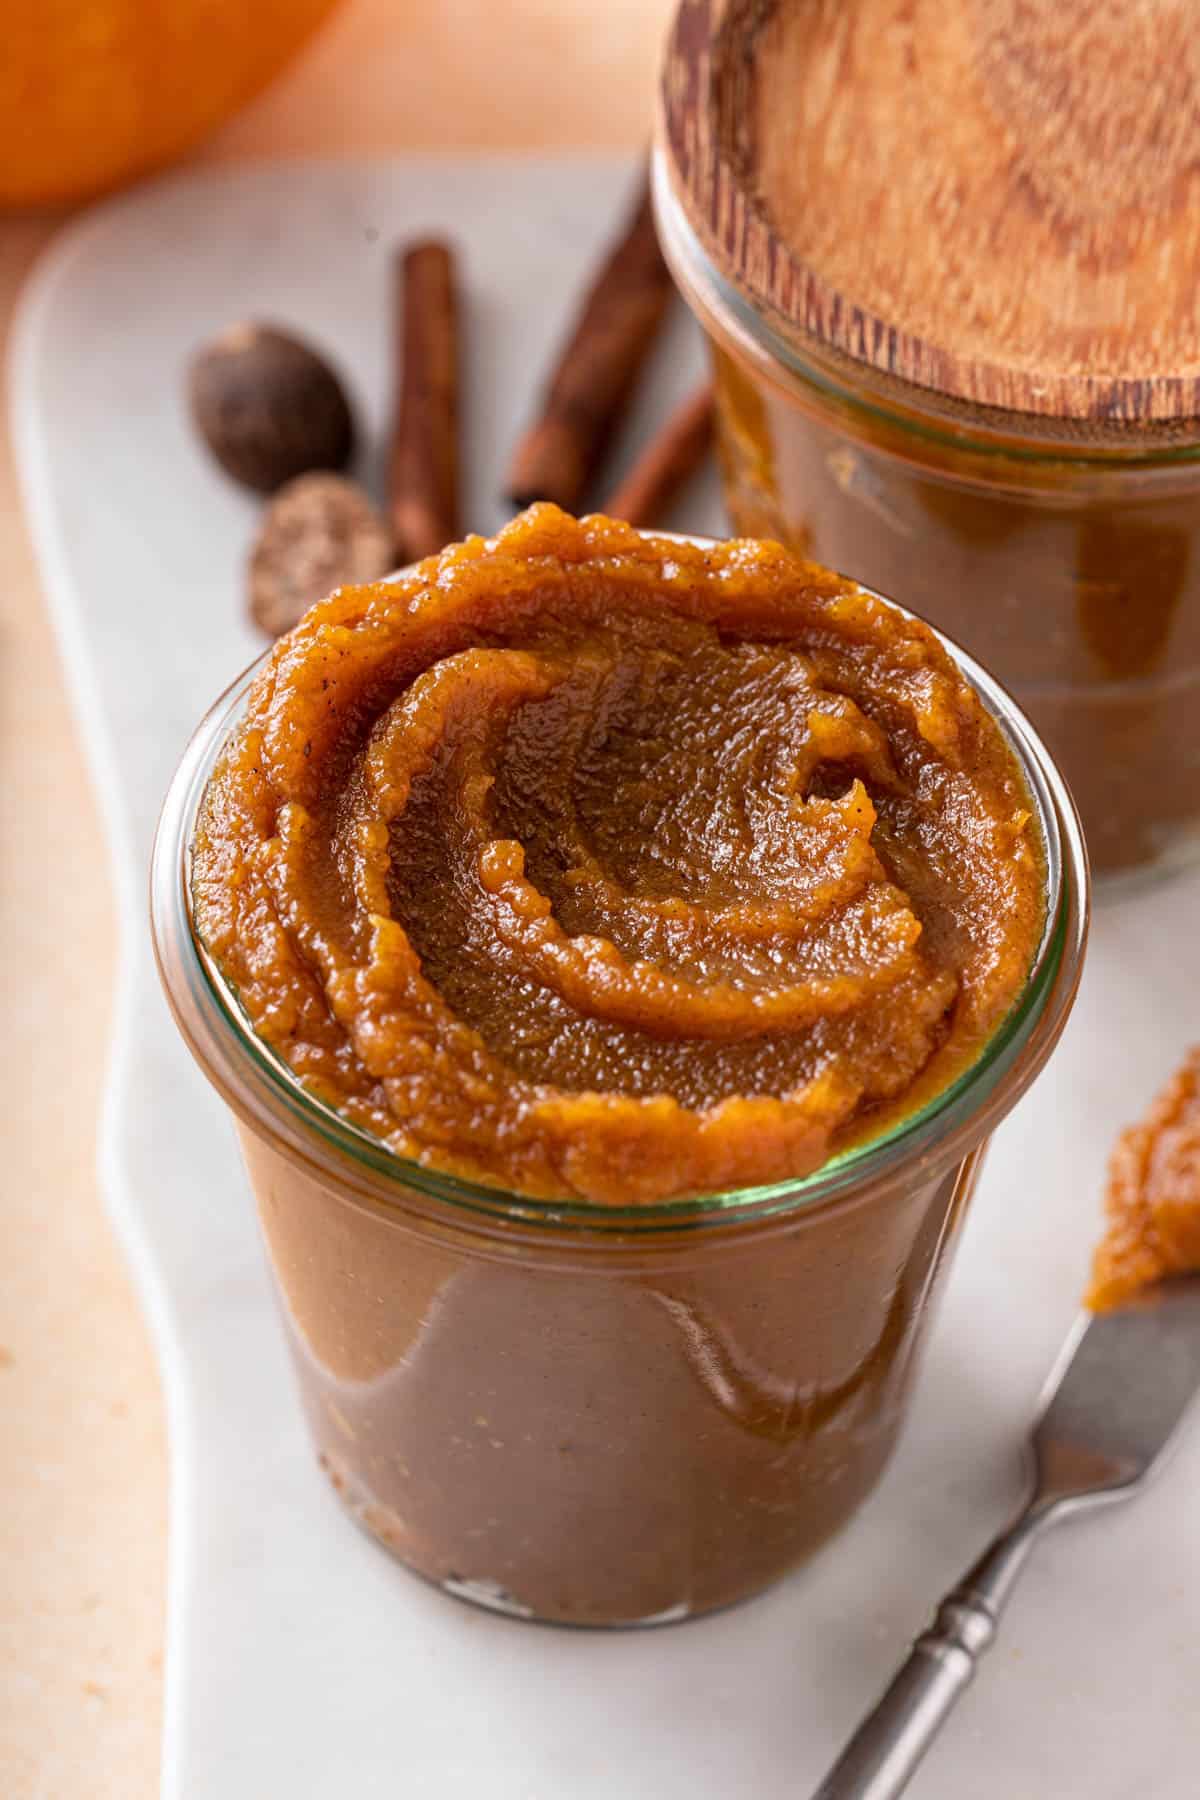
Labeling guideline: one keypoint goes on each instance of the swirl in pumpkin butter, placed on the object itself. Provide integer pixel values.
(596, 865)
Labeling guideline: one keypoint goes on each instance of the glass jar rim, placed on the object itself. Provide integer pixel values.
(282, 1105)
(920, 413)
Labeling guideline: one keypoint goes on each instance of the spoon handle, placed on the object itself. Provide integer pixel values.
(879, 1760)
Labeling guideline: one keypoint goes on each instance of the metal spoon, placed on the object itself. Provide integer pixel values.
(1119, 1390)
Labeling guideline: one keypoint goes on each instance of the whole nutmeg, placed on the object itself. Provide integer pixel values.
(318, 533)
(268, 407)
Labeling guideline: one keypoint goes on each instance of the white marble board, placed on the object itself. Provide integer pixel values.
(301, 1662)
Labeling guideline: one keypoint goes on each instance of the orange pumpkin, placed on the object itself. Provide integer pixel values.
(94, 92)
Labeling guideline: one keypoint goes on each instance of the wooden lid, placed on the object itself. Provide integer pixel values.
(997, 200)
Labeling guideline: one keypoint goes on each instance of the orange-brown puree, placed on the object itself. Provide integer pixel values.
(1153, 1200)
(598, 865)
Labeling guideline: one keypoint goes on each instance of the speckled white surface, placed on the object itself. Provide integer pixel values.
(301, 1662)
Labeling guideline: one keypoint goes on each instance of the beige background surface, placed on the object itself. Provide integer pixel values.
(82, 1450)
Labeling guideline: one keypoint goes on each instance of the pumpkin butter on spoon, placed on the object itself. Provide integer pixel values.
(1153, 1199)
(602, 866)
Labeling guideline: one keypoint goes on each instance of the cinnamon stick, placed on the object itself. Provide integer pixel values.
(667, 462)
(596, 368)
(423, 461)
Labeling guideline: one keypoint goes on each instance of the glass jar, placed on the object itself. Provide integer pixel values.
(589, 1414)
(1067, 561)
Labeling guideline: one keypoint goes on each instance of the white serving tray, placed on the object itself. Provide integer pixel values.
(301, 1662)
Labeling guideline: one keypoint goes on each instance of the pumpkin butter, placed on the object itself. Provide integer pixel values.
(1153, 1199)
(602, 866)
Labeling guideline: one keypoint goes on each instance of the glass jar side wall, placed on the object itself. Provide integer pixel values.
(626, 1441)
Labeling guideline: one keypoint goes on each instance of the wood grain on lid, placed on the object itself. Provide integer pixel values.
(998, 200)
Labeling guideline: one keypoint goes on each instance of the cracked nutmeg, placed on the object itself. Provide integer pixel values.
(320, 532)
